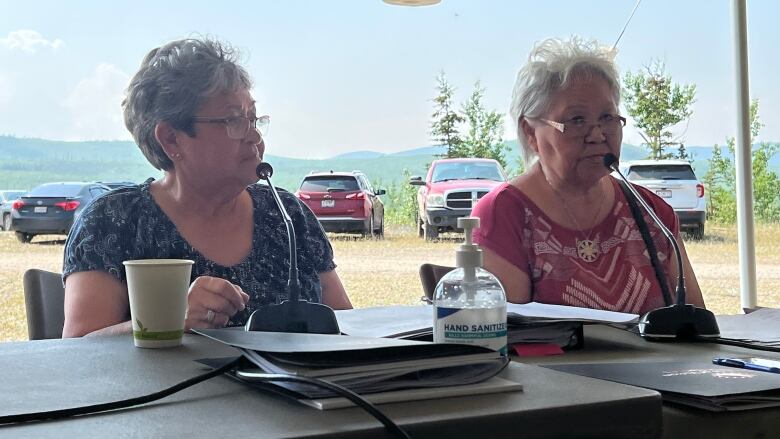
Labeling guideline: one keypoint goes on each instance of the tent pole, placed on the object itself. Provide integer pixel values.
(743, 160)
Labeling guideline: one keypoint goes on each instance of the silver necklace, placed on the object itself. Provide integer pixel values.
(587, 249)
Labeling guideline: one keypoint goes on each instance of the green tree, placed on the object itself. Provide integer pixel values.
(445, 121)
(721, 179)
(485, 129)
(657, 104)
(400, 201)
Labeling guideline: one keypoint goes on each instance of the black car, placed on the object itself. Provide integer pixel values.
(51, 208)
(7, 199)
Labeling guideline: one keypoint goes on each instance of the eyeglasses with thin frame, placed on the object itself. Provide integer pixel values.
(610, 124)
(238, 126)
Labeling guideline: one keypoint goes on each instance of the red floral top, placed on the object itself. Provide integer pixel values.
(621, 278)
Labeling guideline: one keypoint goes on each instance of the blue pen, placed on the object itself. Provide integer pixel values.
(752, 363)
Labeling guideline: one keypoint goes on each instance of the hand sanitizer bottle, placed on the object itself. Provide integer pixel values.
(469, 302)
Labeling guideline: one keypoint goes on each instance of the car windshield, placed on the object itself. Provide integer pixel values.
(466, 171)
(329, 183)
(661, 172)
(56, 190)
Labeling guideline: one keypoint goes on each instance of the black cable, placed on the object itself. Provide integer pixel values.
(626, 25)
(114, 405)
(340, 390)
(130, 402)
(652, 252)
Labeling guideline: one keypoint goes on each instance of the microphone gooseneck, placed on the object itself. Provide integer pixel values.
(265, 171)
(610, 161)
(675, 321)
(294, 314)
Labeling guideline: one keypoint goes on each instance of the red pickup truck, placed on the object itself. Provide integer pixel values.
(450, 190)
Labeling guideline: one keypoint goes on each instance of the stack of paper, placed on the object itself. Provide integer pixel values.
(533, 311)
(760, 327)
(367, 365)
(527, 323)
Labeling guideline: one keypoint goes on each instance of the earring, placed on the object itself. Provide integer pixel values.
(177, 156)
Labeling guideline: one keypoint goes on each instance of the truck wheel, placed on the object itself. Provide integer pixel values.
(698, 232)
(24, 238)
(431, 232)
(380, 232)
(368, 232)
(420, 231)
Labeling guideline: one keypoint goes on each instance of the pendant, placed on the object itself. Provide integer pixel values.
(587, 250)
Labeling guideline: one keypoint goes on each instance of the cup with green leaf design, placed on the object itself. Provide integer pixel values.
(158, 300)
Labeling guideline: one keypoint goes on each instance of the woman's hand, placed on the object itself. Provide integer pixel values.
(211, 302)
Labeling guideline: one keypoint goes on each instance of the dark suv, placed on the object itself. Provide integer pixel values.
(344, 202)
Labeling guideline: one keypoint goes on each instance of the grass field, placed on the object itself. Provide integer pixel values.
(385, 272)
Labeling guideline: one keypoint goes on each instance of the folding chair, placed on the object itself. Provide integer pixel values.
(429, 276)
(44, 300)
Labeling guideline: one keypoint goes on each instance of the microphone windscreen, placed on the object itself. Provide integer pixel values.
(264, 170)
(609, 160)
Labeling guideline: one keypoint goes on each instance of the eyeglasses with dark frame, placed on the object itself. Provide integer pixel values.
(610, 124)
(238, 126)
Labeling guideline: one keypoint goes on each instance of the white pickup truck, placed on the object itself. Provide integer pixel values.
(676, 183)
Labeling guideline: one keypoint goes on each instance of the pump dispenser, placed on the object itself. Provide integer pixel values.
(469, 301)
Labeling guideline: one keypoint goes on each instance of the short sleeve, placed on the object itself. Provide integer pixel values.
(502, 225)
(94, 240)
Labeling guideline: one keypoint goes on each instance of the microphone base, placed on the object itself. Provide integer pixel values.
(678, 323)
(301, 317)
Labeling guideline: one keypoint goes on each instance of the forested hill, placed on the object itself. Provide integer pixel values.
(25, 163)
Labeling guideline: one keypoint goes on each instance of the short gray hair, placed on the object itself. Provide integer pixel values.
(173, 82)
(552, 65)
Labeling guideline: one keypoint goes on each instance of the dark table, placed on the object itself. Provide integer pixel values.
(607, 344)
(52, 374)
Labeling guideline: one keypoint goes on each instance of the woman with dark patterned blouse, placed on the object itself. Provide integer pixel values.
(190, 111)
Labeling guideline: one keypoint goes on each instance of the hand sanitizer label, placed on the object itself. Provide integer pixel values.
(480, 326)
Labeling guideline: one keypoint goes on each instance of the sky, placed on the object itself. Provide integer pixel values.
(354, 75)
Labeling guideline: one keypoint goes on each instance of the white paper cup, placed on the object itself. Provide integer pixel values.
(158, 300)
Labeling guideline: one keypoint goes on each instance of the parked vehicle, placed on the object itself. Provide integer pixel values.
(7, 197)
(676, 183)
(51, 208)
(344, 202)
(450, 189)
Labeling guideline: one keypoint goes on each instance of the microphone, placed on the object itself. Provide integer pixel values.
(292, 315)
(675, 321)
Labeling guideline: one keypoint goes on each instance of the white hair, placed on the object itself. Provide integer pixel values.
(552, 65)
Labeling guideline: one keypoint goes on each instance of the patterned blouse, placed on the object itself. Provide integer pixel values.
(621, 278)
(127, 224)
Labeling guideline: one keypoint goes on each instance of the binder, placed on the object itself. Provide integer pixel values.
(383, 369)
(699, 384)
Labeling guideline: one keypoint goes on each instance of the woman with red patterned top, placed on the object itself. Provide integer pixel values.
(563, 231)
